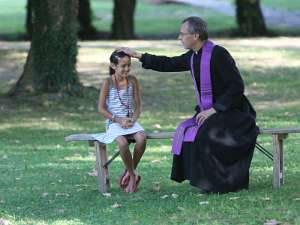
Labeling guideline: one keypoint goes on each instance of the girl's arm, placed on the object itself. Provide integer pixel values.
(137, 98)
(102, 106)
(102, 101)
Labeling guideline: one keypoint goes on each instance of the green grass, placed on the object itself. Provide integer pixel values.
(153, 19)
(150, 19)
(291, 5)
(12, 16)
(44, 180)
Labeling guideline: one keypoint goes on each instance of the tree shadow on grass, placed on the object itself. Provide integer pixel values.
(46, 181)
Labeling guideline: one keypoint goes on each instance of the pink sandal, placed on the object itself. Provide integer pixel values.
(134, 187)
(137, 181)
(124, 179)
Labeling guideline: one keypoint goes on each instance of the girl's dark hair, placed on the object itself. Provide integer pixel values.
(115, 58)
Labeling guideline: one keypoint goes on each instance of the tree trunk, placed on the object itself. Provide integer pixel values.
(51, 61)
(87, 30)
(250, 18)
(28, 24)
(123, 19)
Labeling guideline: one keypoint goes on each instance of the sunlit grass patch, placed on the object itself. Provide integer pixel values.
(45, 180)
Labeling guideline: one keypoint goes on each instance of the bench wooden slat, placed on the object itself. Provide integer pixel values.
(279, 130)
(159, 135)
(165, 135)
(89, 137)
(80, 137)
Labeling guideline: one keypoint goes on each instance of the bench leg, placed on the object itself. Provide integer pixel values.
(101, 158)
(278, 159)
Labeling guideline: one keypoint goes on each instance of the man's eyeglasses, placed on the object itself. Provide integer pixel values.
(183, 34)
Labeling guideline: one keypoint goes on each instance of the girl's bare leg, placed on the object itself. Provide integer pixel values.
(127, 159)
(139, 148)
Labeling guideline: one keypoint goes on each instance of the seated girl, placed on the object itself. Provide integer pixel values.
(120, 104)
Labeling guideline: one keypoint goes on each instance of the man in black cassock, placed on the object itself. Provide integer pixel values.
(219, 158)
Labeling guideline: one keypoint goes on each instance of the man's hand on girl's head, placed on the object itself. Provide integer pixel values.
(130, 52)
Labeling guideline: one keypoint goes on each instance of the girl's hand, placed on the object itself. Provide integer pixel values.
(124, 122)
(130, 122)
(202, 116)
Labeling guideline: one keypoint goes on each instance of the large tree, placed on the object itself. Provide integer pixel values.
(123, 19)
(250, 18)
(51, 61)
(86, 30)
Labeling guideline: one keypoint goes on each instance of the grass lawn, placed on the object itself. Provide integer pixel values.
(291, 5)
(44, 180)
(150, 19)
(12, 16)
(163, 19)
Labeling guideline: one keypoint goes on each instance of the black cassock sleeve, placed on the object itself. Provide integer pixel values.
(229, 81)
(166, 64)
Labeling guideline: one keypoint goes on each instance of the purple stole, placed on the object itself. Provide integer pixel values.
(187, 130)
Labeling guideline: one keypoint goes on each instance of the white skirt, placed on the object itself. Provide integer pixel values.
(114, 130)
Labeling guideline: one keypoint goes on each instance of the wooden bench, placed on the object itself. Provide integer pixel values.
(102, 161)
